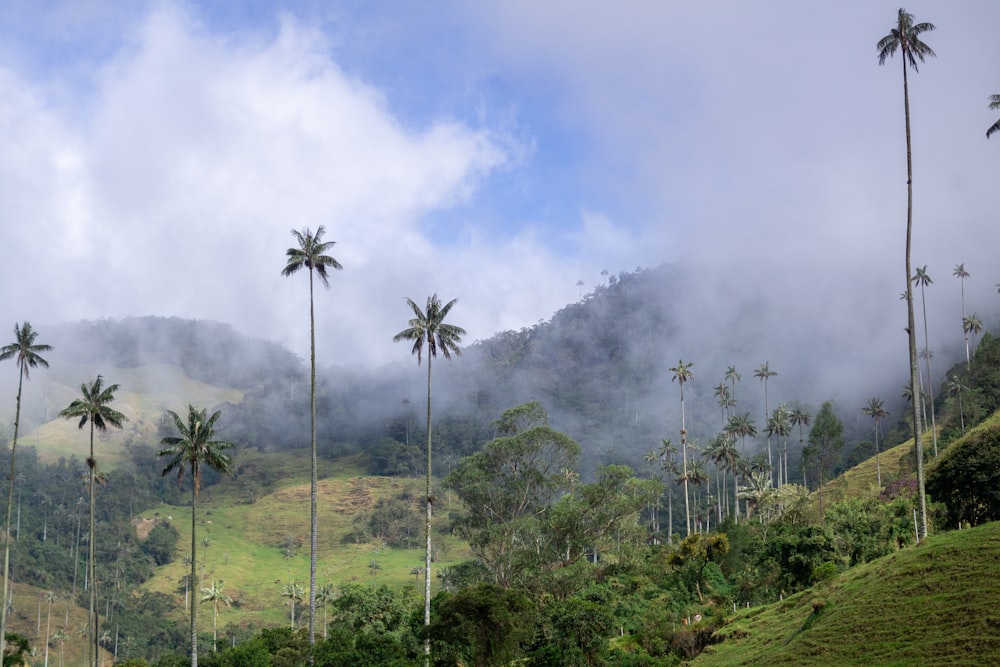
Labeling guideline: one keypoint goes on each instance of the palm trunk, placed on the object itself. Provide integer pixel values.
(194, 573)
(878, 463)
(910, 323)
(687, 505)
(91, 555)
(427, 522)
(313, 477)
(930, 378)
(10, 504)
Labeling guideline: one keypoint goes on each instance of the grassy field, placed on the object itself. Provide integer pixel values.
(934, 604)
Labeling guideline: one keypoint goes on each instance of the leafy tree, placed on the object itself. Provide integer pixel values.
(16, 649)
(484, 626)
(94, 407)
(428, 327)
(195, 448)
(311, 254)
(693, 555)
(27, 355)
(994, 104)
(960, 273)
(216, 595)
(966, 478)
(826, 440)
(876, 410)
(681, 374)
(905, 38)
(923, 279)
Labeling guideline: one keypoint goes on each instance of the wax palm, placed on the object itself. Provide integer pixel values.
(216, 595)
(294, 592)
(311, 255)
(725, 400)
(780, 426)
(923, 279)
(764, 373)
(733, 376)
(668, 450)
(876, 410)
(428, 328)
(800, 418)
(905, 38)
(972, 325)
(994, 104)
(955, 387)
(962, 274)
(193, 449)
(94, 407)
(50, 597)
(681, 374)
(26, 353)
(325, 594)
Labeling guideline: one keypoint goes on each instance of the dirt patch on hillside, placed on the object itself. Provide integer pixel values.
(143, 526)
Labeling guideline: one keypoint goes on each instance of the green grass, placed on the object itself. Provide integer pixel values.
(935, 604)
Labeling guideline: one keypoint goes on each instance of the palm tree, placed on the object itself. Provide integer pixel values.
(324, 596)
(26, 354)
(923, 279)
(905, 37)
(779, 425)
(50, 597)
(667, 464)
(194, 448)
(733, 376)
(60, 638)
(764, 373)
(972, 325)
(293, 592)
(876, 410)
(725, 400)
(994, 104)
(427, 327)
(800, 418)
(94, 406)
(215, 595)
(955, 387)
(311, 255)
(962, 274)
(681, 374)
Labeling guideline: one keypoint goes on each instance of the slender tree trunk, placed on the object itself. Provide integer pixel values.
(314, 526)
(687, 505)
(427, 522)
(910, 322)
(878, 463)
(194, 573)
(48, 627)
(10, 504)
(92, 556)
(930, 377)
(770, 465)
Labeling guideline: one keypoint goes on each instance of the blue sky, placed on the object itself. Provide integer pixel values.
(158, 153)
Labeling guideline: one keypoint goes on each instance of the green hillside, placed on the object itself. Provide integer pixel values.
(936, 604)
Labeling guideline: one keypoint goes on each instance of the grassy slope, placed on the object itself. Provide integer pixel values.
(936, 604)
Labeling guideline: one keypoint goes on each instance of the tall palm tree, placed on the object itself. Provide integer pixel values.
(955, 387)
(923, 279)
(94, 406)
(27, 355)
(780, 426)
(764, 373)
(733, 376)
(962, 274)
(311, 254)
(50, 597)
(725, 400)
(972, 325)
(293, 591)
(325, 594)
(428, 327)
(905, 38)
(194, 448)
(215, 594)
(668, 450)
(681, 374)
(994, 104)
(800, 418)
(876, 410)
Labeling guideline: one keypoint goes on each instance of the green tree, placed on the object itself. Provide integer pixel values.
(94, 406)
(693, 555)
(962, 274)
(216, 595)
(905, 38)
(994, 104)
(27, 355)
(923, 279)
(194, 448)
(428, 327)
(485, 626)
(293, 592)
(681, 373)
(876, 410)
(311, 255)
(826, 440)
(966, 478)
(764, 373)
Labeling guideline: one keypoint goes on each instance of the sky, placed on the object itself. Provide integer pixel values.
(157, 156)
